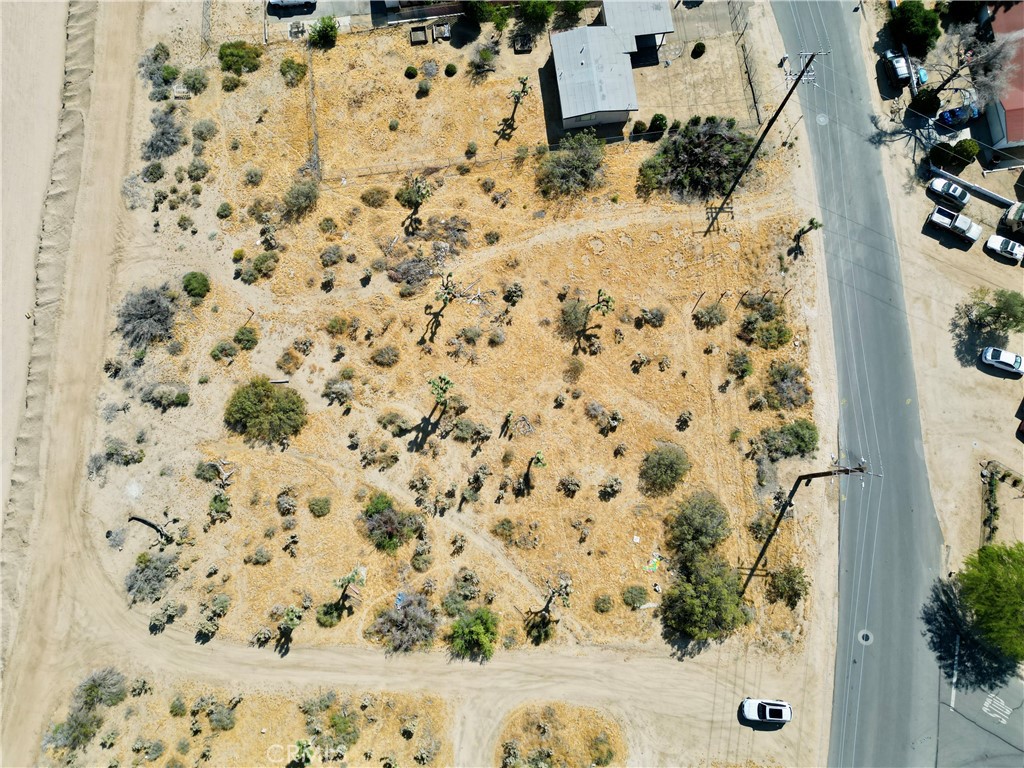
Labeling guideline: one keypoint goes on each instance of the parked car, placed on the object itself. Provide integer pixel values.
(953, 118)
(950, 193)
(954, 222)
(1008, 249)
(897, 68)
(766, 711)
(1001, 359)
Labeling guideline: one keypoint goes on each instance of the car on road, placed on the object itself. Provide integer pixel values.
(1001, 359)
(1008, 249)
(950, 193)
(766, 711)
(896, 68)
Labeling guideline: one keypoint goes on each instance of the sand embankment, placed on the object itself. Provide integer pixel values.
(31, 74)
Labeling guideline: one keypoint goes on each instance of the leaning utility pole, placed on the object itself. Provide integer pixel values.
(714, 217)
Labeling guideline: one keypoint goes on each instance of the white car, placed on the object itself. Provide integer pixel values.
(950, 192)
(766, 711)
(1006, 248)
(1001, 359)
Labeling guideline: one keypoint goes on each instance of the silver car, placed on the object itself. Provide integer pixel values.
(1001, 359)
(950, 192)
(1006, 248)
(766, 711)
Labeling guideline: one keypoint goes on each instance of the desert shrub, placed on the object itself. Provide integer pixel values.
(264, 412)
(165, 396)
(385, 357)
(966, 150)
(699, 524)
(700, 160)
(639, 127)
(698, 50)
(196, 284)
(105, 686)
(167, 138)
(375, 197)
(487, 184)
(603, 603)
(117, 452)
(185, 223)
(265, 263)
(289, 361)
(153, 172)
(710, 316)
(568, 485)
(223, 349)
(739, 364)
(198, 169)
(473, 635)
(408, 626)
(300, 198)
(204, 130)
(635, 595)
(609, 489)
(76, 732)
(261, 556)
(145, 316)
(320, 506)
(575, 168)
(394, 422)
(413, 193)
(177, 707)
(788, 382)
(411, 72)
(492, 237)
(662, 469)
(573, 319)
(292, 71)
(387, 527)
(195, 80)
(658, 123)
(231, 83)
(653, 317)
(224, 210)
(797, 438)
(773, 335)
(496, 337)
(337, 390)
(253, 176)
(337, 325)
(148, 578)
(239, 56)
(324, 33)
(787, 585)
(207, 471)
(152, 63)
(450, 70)
(423, 89)
(331, 255)
(221, 718)
(706, 604)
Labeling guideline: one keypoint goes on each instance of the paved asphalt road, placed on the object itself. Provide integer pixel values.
(891, 705)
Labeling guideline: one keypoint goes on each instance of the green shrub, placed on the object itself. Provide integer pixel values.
(449, 70)
(324, 33)
(320, 506)
(375, 197)
(300, 198)
(710, 316)
(536, 13)
(198, 169)
(177, 707)
(639, 127)
(231, 83)
(575, 168)
(264, 412)
(915, 26)
(292, 71)
(253, 176)
(204, 130)
(196, 81)
(169, 73)
(773, 335)
(223, 349)
(700, 160)
(385, 357)
(224, 210)
(387, 527)
(337, 326)
(698, 50)
(739, 364)
(662, 469)
(659, 123)
(635, 595)
(411, 72)
(76, 732)
(473, 636)
(966, 150)
(788, 585)
(797, 438)
(239, 56)
(706, 604)
(603, 603)
(392, 126)
(423, 89)
(153, 172)
(700, 523)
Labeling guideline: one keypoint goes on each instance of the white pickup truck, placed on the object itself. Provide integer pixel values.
(957, 223)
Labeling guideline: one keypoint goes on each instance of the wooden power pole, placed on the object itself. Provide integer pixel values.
(714, 217)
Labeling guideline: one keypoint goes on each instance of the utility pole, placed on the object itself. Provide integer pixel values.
(836, 469)
(714, 217)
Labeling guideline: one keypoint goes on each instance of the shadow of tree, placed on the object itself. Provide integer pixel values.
(683, 647)
(969, 339)
(977, 663)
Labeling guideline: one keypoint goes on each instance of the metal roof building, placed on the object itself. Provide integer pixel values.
(638, 23)
(595, 80)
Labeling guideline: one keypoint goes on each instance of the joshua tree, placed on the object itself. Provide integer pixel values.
(540, 625)
(356, 576)
(538, 459)
(439, 387)
(518, 96)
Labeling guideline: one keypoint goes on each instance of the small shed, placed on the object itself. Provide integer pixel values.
(595, 79)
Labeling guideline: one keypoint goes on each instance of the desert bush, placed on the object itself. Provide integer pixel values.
(394, 422)
(147, 580)
(239, 56)
(492, 237)
(331, 255)
(496, 337)
(292, 71)
(231, 83)
(337, 390)
(603, 603)
(413, 193)
(739, 364)
(219, 509)
(450, 70)
(223, 349)
(635, 595)
(385, 357)
(683, 421)
(264, 412)
(423, 89)
(375, 197)
(165, 396)
(706, 604)
(699, 524)
(105, 686)
(167, 138)
(204, 130)
(221, 718)
(196, 284)
(207, 471)
(609, 489)
(224, 210)
(966, 150)
(653, 317)
(153, 172)
(387, 527)
(788, 382)
(487, 184)
(319, 506)
(698, 50)
(787, 585)
(473, 635)
(195, 80)
(797, 438)
(145, 316)
(289, 361)
(773, 335)
(80, 728)
(575, 168)
(710, 316)
(662, 469)
(700, 160)
(569, 485)
(300, 198)
(198, 169)
(177, 707)
(659, 123)
(152, 63)
(253, 176)
(408, 626)
(263, 265)
(411, 72)
(324, 33)
(185, 223)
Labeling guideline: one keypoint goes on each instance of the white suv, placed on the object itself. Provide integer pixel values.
(766, 711)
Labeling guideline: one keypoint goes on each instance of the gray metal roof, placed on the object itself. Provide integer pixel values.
(594, 74)
(632, 18)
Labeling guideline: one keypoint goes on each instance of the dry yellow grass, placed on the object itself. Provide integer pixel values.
(564, 734)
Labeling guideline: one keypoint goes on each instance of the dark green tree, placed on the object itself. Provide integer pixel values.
(473, 636)
(700, 523)
(265, 412)
(705, 605)
(992, 587)
(916, 26)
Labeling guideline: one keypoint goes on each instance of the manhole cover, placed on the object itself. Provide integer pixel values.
(865, 637)
(822, 119)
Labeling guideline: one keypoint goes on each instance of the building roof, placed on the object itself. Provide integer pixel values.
(636, 18)
(1005, 22)
(594, 74)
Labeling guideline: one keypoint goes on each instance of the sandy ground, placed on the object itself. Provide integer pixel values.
(968, 414)
(32, 72)
(78, 615)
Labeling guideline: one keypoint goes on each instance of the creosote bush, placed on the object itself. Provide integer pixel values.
(264, 412)
(320, 506)
(239, 56)
(473, 635)
(385, 357)
(145, 316)
(195, 80)
(710, 316)
(196, 284)
(797, 438)
(375, 197)
(662, 469)
(387, 527)
(204, 130)
(575, 168)
(700, 524)
(603, 603)
(300, 198)
(787, 585)
(292, 71)
(635, 595)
